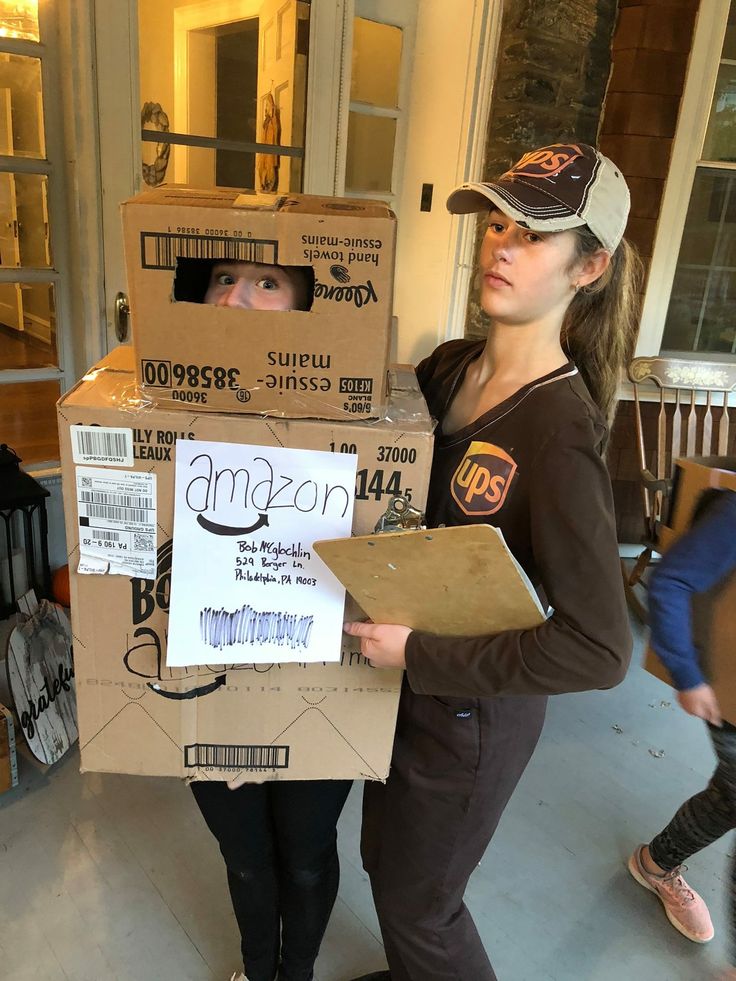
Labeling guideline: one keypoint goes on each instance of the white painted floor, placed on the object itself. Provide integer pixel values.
(116, 878)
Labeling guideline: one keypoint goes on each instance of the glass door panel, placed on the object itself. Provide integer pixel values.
(376, 45)
(21, 111)
(370, 154)
(27, 326)
(219, 81)
(24, 226)
(28, 420)
(376, 118)
(19, 19)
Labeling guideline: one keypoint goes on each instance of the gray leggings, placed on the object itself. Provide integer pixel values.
(705, 817)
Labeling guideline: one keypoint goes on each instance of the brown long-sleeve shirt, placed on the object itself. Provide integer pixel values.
(532, 466)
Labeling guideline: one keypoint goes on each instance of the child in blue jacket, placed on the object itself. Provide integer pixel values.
(697, 563)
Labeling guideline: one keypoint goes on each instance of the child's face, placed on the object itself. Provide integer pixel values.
(525, 274)
(251, 286)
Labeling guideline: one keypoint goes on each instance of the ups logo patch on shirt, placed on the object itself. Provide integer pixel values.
(481, 482)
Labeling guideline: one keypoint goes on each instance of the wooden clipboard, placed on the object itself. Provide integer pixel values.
(460, 581)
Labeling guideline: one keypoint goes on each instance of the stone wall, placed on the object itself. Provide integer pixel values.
(554, 61)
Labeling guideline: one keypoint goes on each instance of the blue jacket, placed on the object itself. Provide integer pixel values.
(695, 564)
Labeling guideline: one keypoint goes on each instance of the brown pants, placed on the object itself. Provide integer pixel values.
(455, 764)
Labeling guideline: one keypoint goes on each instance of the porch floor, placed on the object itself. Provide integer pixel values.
(115, 877)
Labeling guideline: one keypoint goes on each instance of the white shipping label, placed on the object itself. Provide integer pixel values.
(117, 522)
(102, 444)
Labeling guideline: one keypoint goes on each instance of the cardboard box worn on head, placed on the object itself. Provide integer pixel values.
(714, 613)
(328, 362)
(333, 720)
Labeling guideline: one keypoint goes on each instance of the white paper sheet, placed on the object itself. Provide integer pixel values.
(246, 585)
(117, 522)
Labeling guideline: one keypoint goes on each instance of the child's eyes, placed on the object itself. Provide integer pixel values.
(225, 279)
(498, 228)
(267, 283)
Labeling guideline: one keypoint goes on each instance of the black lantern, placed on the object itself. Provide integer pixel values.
(20, 493)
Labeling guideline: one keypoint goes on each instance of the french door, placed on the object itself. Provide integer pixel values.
(326, 97)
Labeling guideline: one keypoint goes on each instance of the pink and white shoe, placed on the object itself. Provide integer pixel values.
(685, 909)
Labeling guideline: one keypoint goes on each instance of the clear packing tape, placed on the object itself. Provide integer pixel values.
(405, 407)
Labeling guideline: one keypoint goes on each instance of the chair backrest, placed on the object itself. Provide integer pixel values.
(681, 430)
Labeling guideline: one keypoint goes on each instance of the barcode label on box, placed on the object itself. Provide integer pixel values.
(160, 250)
(117, 522)
(236, 757)
(101, 444)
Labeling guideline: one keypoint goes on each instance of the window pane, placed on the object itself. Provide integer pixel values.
(710, 218)
(21, 115)
(718, 328)
(28, 420)
(702, 309)
(19, 19)
(720, 138)
(233, 72)
(370, 155)
(686, 304)
(24, 222)
(376, 63)
(27, 326)
(729, 44)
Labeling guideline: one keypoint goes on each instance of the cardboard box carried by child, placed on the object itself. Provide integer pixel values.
(716, 612)
(326, 362)
(288, 721)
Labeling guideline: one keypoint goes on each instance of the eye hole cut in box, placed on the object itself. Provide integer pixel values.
(243, 283)
(323, 354)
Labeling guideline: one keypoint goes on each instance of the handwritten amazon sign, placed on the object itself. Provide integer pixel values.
(246, 584)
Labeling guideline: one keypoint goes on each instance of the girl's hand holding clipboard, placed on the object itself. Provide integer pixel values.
(384, 644)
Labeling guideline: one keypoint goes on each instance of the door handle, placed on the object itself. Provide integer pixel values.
(122, 313)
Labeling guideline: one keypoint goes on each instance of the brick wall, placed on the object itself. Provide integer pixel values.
(650, 50)
(554, 60)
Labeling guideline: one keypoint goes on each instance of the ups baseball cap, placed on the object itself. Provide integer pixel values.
(560, 186)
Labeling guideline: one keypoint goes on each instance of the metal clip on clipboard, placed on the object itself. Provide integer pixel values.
(400, 515)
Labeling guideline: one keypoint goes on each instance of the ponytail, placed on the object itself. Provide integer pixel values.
(599, 329)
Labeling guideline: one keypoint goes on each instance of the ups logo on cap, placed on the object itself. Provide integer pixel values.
(481, 482)
(545, 162)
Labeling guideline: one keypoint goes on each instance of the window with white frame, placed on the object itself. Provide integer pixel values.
(690, 306)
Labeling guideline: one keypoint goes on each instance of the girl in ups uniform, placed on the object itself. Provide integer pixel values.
(523, 420)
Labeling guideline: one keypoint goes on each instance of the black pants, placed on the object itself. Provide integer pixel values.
(455, 765)
(279, 842)
(705, 818)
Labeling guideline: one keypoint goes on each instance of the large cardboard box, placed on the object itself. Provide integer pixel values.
(714, 614)
(692, 476)
(329, 362)
(333, 720)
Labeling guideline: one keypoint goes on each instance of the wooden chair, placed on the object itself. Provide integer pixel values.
(692, 419)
